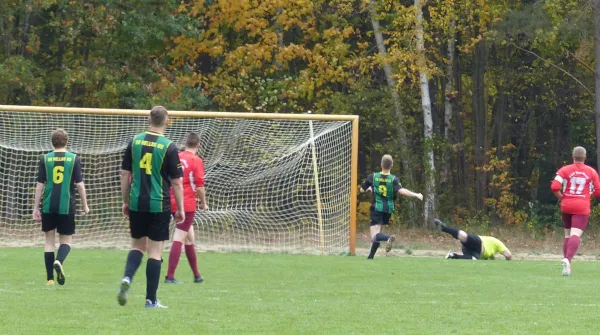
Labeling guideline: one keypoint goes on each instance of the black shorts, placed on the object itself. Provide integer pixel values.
(472, 247)
(381, 218)
(155, 226)
(63, 223)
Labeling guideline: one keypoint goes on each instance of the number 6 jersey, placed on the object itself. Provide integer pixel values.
(60, 170)
(153, 161)
(577, 181)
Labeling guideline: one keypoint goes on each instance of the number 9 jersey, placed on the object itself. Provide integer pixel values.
(578, 182)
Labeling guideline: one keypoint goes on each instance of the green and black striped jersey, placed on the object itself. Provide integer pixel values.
(153, 161)
(59, 170)
(385, 187)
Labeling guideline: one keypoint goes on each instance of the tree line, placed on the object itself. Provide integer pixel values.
(479, 101)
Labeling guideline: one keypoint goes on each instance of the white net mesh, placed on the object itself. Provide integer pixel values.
(259, 180)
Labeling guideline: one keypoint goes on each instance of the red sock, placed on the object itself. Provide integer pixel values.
(572, 247)
(174, 259)
(565, 243)
(190, 252)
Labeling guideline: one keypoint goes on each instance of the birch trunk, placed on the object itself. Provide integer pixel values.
(427, 119)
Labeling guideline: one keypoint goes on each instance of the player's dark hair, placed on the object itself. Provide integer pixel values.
(192, 140)
(59, 138)
(387, 162)
(158, 116)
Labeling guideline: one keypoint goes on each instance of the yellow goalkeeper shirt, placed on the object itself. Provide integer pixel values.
(491, 247)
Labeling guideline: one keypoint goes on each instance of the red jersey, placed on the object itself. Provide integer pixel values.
(193, 177)
(578, 181)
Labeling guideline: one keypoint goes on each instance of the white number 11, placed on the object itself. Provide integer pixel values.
(577, 185)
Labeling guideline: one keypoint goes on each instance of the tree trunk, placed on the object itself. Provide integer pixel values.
(25, 28)
(597, 75)
(429, 166)
(407, 171)
(449, 95)
(480, 124)
(462, 180)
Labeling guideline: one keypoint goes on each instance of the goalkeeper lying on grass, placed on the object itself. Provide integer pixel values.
(474, 246)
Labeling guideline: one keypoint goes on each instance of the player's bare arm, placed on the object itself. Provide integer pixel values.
(177, 185)
(39, 189)
(83, 195)
(410, 194)
(125, 189)
(201, 196)
(507, 254)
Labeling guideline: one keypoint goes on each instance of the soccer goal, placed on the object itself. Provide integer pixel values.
(275, 182)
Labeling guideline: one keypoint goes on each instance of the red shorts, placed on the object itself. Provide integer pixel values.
(575, 221)
(187, 222)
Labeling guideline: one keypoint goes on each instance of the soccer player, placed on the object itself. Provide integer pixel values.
(385, 186)
(473, 246)
(193, 190)
(572, 186)
(59, 173)
(152, 163)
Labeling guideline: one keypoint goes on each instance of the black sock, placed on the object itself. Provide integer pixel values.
(381, 237)
(49, 260)
(152, 278)
(63, 252)
(451, 231)
(459, 256)
(134, 259)
(374, 248)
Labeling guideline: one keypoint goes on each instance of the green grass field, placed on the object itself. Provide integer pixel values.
(292, 294)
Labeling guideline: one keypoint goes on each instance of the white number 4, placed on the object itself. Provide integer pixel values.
(577, 185)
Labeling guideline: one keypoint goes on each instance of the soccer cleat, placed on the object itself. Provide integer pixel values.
(198, 279)
(156, 304)
(50, 283)
(449, 255)
(172, 281)
(60, 274)
(123, 289)
(388, 245)
(439, 224)
(566, 267)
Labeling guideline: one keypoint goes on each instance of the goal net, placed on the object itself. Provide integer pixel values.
(261, 177)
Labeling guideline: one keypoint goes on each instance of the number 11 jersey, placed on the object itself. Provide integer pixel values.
(578, 182)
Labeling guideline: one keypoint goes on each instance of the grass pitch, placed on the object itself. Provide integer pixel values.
(291, 294)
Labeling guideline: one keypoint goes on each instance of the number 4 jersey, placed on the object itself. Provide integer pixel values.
(60, 170)
(578, 182)
(153, 161)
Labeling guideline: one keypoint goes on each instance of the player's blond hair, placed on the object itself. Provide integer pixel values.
(158, 116)
(579, 154)
(60, 138)
(387, 162)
